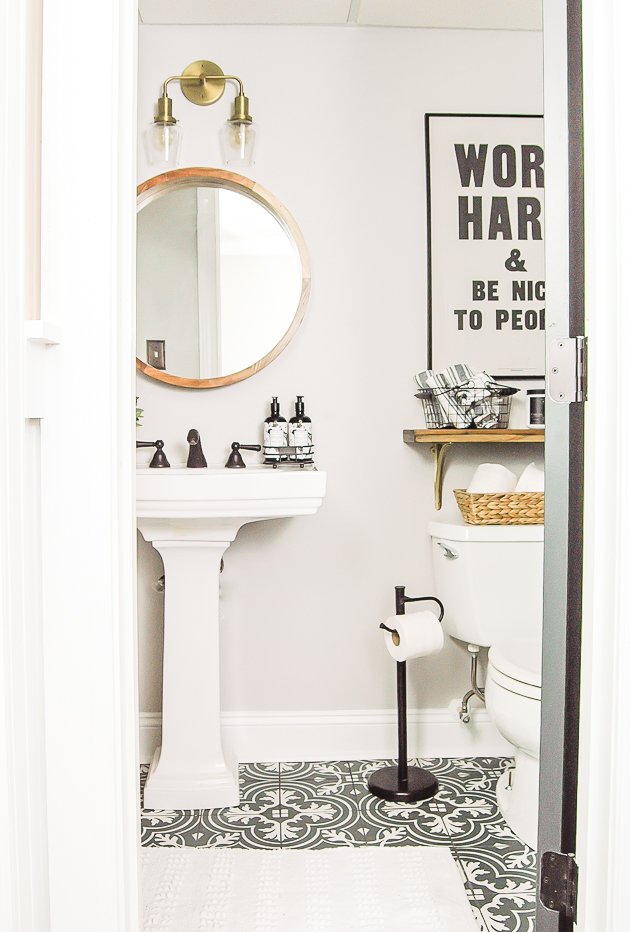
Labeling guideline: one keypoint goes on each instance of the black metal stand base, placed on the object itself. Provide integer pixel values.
(386, 784)
(403, 784)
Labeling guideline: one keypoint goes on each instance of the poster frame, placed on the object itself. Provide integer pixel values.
(427, 146)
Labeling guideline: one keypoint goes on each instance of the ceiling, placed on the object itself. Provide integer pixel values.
(427, 14)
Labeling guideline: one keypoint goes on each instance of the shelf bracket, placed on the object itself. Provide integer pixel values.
(439, 451)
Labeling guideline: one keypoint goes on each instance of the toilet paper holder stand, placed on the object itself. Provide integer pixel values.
(404, 784)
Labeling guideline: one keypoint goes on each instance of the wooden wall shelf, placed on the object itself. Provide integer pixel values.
(441, 440)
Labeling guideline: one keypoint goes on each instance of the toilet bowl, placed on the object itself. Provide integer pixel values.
(490, 581)
(513, 688)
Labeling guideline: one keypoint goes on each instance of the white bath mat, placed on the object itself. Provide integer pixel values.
(409, 889)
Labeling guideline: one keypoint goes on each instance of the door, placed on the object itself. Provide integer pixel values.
(564, 455)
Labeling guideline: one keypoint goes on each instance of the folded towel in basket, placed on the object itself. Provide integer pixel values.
(464, 397)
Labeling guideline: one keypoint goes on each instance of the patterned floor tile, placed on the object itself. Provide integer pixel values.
(423, 823)
(470, 815)
(322, 776)
(471, 790)
(390, 823)
(259, 772)
(473, 775)
(251, 824)
(315, 805)
(503, 897)
(254, 823)
(254, 780)
(319, 806)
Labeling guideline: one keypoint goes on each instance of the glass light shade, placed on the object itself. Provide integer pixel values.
(238, 143)
(162, 142)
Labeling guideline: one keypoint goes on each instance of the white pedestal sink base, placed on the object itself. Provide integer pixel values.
(191, 516)
(193, 790)
(193, 769)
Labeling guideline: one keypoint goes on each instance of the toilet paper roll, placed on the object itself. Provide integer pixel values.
(532, 480)
(420, 634)
(492, 477)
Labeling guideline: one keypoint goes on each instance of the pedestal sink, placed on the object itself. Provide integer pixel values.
(191, 516)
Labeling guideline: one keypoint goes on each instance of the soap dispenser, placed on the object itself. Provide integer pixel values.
(301, 433)
(275, 434)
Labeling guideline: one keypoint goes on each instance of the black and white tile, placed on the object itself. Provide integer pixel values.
(327, 804)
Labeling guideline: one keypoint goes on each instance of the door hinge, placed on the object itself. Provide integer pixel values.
(567, 369)
(558, 883)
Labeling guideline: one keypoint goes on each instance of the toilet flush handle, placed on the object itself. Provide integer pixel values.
(448, 553)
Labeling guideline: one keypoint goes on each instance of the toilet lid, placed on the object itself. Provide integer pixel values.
(518, 658)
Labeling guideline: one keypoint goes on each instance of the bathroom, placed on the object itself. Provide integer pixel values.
(72, 530)
(304, 675)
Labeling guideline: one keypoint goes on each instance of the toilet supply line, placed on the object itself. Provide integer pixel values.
(475, 690)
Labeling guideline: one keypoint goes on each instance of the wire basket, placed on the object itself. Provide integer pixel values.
(467, 408)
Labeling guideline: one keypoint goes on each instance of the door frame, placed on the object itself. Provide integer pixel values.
(603, 821)
(564, 447)
(68, 666)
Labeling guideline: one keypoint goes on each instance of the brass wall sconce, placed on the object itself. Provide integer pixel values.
(202, 83)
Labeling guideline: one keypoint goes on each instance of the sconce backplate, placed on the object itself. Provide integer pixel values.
(198, 90)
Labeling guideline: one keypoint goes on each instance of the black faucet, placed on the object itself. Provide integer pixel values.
(159, 460)
(196, 459)
(235, 460)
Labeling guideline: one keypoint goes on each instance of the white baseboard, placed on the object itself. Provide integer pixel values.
(345, 735)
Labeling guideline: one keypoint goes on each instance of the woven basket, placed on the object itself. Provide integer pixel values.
(501, 508)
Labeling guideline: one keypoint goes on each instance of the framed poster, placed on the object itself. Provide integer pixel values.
(485, 243)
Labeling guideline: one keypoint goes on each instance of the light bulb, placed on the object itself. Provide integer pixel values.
(238, 142)
(162, 143)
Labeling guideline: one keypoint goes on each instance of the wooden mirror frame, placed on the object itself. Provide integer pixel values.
(216, 178)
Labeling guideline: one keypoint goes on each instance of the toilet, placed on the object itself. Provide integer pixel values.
(513, 703)
(490, 579)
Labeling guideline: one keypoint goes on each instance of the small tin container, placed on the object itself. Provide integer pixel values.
(536, 407)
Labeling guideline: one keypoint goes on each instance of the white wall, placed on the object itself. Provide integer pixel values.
(166, 275)
(341, 115)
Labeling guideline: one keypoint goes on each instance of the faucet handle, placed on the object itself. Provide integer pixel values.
(235, 460)
(159, 460)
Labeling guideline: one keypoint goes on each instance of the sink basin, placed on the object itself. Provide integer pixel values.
(257, 492)
(191, 516)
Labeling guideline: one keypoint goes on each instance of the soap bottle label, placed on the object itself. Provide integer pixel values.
(275, 436)
(301, 437)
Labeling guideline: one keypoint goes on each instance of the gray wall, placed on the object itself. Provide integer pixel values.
(342, 146)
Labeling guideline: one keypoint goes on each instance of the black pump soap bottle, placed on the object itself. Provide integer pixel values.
(301, 433)
(275, 434)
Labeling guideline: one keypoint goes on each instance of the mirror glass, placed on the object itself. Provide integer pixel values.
(220, 282)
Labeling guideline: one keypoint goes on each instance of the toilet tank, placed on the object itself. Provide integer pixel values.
(490, 579)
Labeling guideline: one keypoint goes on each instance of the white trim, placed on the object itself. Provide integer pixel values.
(39, 335)
(345, 735)
(23, 813)
(41, 331)
(87, 465)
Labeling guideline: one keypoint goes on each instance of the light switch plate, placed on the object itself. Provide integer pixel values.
(156, 354)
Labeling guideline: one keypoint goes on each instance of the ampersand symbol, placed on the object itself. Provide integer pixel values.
(515, 263)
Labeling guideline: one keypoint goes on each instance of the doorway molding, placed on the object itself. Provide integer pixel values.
(69, 849)
(87, 464)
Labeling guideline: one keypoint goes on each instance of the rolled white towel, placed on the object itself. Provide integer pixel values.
(492, 477)
(532, 480)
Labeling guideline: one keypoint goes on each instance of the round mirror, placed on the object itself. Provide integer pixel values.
(223, 278)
